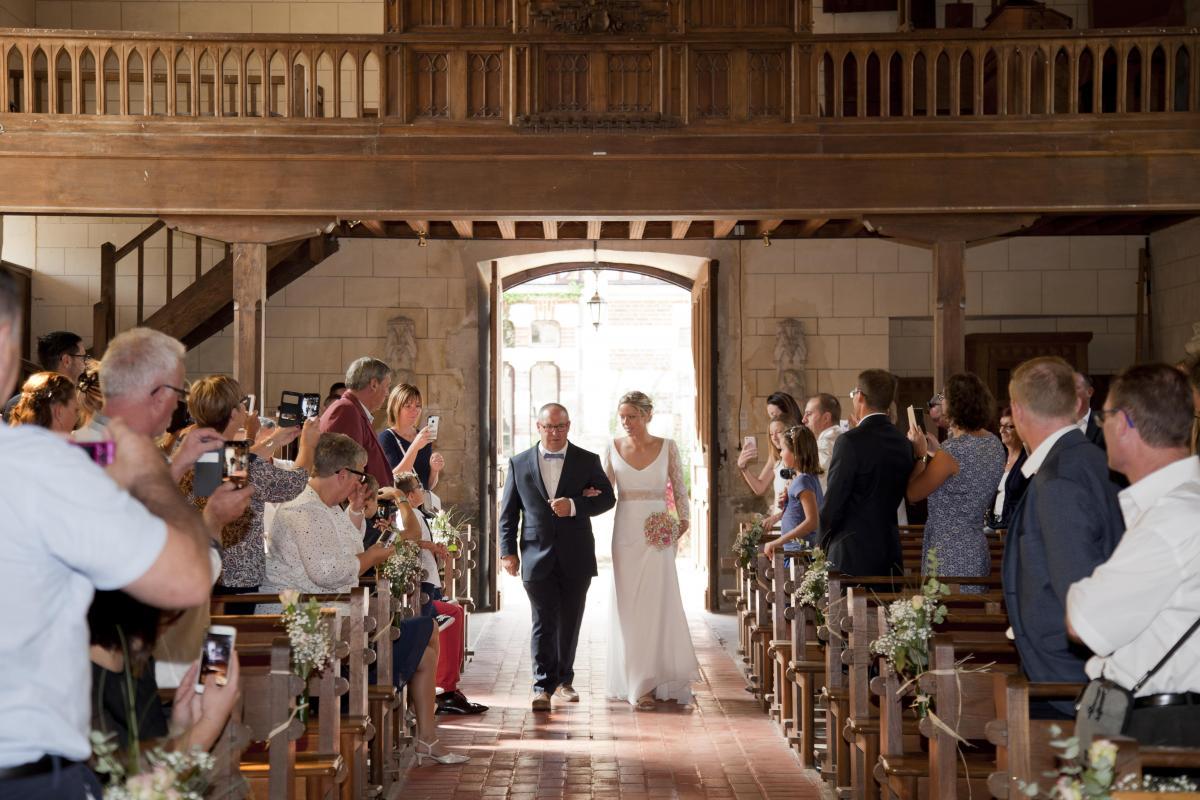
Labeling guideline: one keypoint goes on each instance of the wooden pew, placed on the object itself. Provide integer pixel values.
(805, 671)
(265, 706)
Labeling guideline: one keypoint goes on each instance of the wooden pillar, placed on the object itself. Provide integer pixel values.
(949, 310)
(249, 308)
(104, 313)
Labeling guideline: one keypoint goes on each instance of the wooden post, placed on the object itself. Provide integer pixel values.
(104, 313)
(949, 310)
(249, 307)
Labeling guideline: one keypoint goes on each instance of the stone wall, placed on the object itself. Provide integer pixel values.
(1175, 289)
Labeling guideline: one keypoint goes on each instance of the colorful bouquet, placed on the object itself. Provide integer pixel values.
(312, 645)
(403, 568)
(745, 546)
(661, 530)
(814, 586)
(164, 776)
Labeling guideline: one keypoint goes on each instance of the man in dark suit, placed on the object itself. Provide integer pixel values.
(369, 381)
(867, 477)
(548, 502)
(1067, 523)
(1093, 431)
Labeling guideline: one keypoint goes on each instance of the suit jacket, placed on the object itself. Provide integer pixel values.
(1014, 489)
(546, 540)
(1067, 523)
(867, 479)
(346, 415)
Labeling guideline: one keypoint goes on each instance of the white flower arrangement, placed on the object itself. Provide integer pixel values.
(910, 623)
(814, 586)
(312, 645)
(1092, 775)
(165, 776)
(403, 568)
(446, 527)
(745, 546)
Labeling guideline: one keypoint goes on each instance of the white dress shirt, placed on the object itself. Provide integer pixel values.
(1136, 605)
(825, 451)
(551, 470)
(1034, 462)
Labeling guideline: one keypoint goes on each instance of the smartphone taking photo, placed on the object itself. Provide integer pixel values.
(310, 406)
(290, 409)
(101, 453)
(434, 420)
(216, 655)
(916, 418)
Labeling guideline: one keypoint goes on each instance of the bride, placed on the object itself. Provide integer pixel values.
(650, 656)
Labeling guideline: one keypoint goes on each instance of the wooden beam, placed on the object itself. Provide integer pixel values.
(594, 227)
(723, 227)
(549, 229)
(419, 226)
(679, 228)
(949, 310)
(768, 225)
(260, 229)
(810, 227)
(637, 228)
(464, 228)
(949, 227)
(249, 308)
(508, 228)
(376, 227)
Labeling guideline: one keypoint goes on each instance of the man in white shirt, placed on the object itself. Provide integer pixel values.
(1139, 603)
(822, 415)
(68, 530)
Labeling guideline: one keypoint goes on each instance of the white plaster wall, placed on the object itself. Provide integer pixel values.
(1175, 288)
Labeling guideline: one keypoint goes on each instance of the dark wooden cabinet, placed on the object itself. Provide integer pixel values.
(993, 356)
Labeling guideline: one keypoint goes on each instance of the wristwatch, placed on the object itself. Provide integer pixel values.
(925, 459)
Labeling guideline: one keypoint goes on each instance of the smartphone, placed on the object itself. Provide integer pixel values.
(207, 475)
(750, 443)
(235, 463)
(434, 419)
(916, 418)
(215, 657)
(310, 406)
(290, 409)
(102, 453)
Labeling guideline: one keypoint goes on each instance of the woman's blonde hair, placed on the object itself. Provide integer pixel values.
(40, 393)
(401, 395)
(783, 422)
(212, 399)
(800, 440)
(638, 400)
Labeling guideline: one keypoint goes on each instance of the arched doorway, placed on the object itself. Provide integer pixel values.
(694, 274)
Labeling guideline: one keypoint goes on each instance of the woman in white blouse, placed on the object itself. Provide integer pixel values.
(316, 547)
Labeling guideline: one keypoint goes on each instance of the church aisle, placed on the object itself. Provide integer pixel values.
(724, 748)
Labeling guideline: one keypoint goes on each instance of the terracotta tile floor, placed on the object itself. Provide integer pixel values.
(723, 748)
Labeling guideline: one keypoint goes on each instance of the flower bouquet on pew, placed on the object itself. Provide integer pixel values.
(814, 586)
(1092, 774)
(745, 546)
(156, 775)
(403, 568)
(312, 646)
(446, 527)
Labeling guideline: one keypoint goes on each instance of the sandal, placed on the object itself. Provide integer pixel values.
(645, 704)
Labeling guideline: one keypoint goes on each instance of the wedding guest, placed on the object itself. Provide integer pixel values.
(316, 547)
(61, 352)
(1013, 482)
(800, 518)
(89, 397)
(936, 411)
(47, 399)
(1084, 390)
(336, 390)
(769, 478)
(1068, 523)
(958, 478)
(1135, 606)
(867, 479)
(823, 416)
(782, 404)
(125, 528)
(353, 414)
(408, 449)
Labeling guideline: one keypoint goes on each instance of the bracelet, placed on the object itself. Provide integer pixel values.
(359, 513)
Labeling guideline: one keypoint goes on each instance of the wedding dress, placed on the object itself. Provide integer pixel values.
(650, 650)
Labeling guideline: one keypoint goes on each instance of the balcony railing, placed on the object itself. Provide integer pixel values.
(764, 80)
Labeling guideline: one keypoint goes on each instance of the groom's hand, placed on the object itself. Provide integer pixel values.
(561, 506)
(511, 564)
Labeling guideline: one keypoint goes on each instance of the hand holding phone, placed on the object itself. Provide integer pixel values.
(432, 426)
(216, 655)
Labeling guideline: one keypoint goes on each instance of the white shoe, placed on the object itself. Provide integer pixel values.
(444, 621)
(448, 758)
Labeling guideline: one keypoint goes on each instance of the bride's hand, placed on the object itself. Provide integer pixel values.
(591, 492)
(683, 526)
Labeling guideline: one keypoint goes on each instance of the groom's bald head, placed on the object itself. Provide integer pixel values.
(553, 425)
(544, 411)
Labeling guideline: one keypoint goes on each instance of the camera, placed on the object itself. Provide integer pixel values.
(787, 474)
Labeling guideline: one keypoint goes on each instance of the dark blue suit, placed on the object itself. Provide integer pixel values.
(558, 554)
(1068, 522)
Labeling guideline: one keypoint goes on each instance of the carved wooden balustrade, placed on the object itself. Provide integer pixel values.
(764, 78)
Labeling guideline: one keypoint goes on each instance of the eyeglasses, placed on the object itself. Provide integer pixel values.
(182, 392)
(362, 476)
(86, 358)
(560, 427)
(855, 392)
(1104, 414)
(937, 400)
(1008, 427)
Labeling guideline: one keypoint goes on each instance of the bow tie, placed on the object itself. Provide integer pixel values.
(559, 456)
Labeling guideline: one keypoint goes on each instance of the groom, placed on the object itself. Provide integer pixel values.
(544, 497)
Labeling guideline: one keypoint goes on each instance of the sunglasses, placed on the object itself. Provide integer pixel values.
(362, 476)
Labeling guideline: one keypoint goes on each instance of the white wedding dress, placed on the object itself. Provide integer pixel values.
(650, 647)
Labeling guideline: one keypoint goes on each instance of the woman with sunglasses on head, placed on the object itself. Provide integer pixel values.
(49, 400)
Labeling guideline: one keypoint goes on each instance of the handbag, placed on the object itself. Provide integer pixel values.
(1103, 707)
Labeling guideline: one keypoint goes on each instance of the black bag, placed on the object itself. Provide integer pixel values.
(1103, 708)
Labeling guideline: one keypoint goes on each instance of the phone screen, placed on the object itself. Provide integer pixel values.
(310, 405)
(214, 659)
(236, 463)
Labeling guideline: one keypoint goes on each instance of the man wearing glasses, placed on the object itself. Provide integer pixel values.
(61, 352)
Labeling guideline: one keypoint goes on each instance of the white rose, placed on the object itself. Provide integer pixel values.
(918, 601)
(289, 597)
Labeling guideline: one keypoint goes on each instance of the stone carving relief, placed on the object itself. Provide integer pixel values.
(791, 357)
(1192, 348)
(402, 348)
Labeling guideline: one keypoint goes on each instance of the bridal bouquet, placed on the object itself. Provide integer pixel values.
(662, 530)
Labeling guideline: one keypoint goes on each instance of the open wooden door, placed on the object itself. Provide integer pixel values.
(706, 461)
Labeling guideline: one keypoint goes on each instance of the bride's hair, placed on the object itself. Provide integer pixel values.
(638, 400)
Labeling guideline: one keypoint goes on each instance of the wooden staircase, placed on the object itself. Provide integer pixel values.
(205, 307)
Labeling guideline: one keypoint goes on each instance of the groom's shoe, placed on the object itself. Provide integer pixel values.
(541, 701)
(567, 692)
